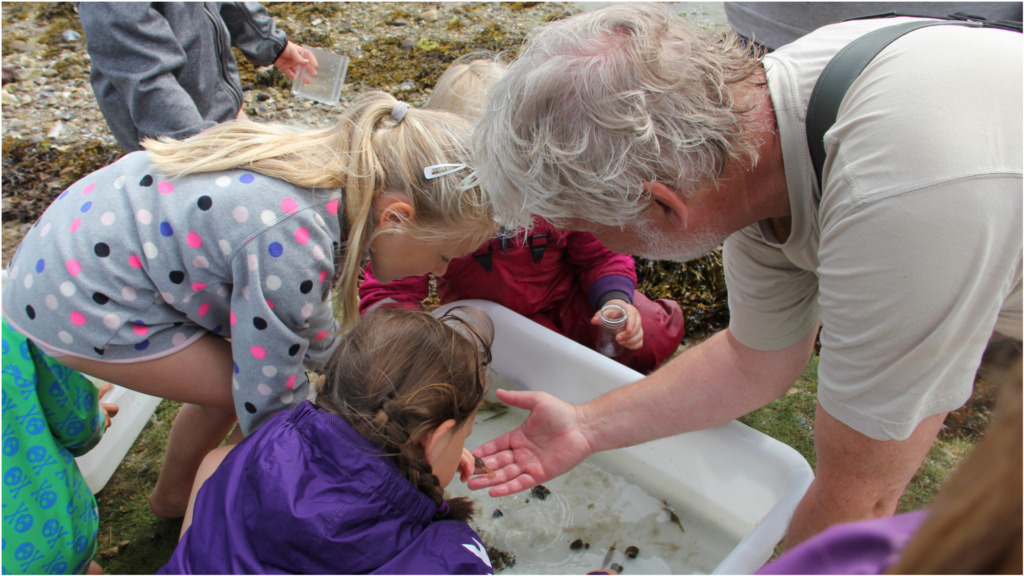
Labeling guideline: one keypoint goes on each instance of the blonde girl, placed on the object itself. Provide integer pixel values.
(201, 271)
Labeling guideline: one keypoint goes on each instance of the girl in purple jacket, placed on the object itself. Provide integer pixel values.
(353, 483)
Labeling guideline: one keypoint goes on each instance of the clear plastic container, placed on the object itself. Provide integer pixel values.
(613, 321)
(326, 86)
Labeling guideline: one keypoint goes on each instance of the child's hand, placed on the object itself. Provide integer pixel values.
(466, 465)
(293, 58)
(109, 409)
(632, 336)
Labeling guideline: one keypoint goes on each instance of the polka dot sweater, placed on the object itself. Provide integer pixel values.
(128, 265)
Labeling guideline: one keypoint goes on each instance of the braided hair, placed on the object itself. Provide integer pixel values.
(400, 374)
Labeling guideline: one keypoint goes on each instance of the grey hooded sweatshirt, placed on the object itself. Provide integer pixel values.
(167, 69)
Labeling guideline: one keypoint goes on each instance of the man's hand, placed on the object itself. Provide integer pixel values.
(549, 443)
(293, 59)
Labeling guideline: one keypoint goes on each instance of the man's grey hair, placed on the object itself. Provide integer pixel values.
(598, 103)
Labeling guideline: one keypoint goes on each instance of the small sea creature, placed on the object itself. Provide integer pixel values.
(497, 513)
(480, 464)
(673, 516)
(576, 544)
(540, 492)
(631, 552)
(616, 567)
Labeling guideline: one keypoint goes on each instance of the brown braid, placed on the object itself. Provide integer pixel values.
(400, 374)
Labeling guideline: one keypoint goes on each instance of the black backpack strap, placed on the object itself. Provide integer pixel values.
(840, 74)
(536, 248)
(485, 260)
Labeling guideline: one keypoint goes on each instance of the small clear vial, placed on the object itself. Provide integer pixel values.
(613, 321)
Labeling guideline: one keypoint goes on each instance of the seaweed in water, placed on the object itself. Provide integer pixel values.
(540, 492)
(500, 559)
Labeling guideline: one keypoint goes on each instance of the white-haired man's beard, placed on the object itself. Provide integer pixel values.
(657, 245)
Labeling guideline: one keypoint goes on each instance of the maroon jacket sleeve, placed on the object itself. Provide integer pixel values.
(603, 274)
(406, 293)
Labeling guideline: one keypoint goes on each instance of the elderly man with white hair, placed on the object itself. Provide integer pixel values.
(665, 141)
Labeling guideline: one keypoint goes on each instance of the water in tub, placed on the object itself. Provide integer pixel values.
(570, 527)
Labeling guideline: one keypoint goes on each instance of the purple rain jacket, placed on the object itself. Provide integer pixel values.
(865, 547)
(306, 494)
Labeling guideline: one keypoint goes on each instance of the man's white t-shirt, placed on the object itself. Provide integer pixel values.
(912, 258)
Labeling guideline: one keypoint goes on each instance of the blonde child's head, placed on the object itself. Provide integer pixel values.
(462, 89)
(378, 146)
(404, 379)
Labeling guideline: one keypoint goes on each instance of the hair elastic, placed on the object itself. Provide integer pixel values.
(443, 509)
(398, 112)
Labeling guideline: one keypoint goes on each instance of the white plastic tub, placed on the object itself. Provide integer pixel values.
(134, 410)
(743, 480)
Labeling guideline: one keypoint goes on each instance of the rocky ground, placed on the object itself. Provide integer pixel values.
(397, 47)
(48, 103)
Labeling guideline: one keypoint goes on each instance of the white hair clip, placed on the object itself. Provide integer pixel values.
(438, 170)
(398, 112)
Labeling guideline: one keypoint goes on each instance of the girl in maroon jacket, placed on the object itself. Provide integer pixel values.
(558, 279)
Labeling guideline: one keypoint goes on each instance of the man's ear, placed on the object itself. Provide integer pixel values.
(436, 440)
(667, 204)
(393, 210)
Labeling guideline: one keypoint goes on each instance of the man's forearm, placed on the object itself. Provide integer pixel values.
(707, 386)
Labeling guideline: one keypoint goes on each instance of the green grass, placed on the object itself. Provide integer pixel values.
(131, 539)
(790, 419)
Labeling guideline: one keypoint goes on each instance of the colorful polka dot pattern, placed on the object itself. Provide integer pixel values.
(154, 263)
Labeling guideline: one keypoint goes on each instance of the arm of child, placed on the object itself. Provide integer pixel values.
(253, 32)
(76, 418)
(282, 318)
(603, 274)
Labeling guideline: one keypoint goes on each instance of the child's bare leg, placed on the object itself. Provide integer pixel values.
(199, 376)
(206, 469)
(94, 568)
(196, 431)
